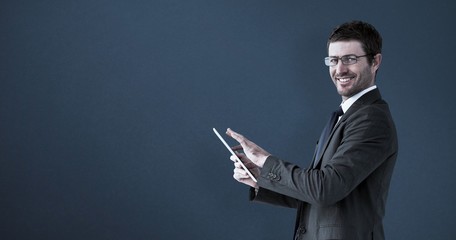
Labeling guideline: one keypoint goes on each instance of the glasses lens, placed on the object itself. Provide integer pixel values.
(348, 60)
(331, 61)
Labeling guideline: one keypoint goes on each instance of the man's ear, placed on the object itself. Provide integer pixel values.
(376, 62)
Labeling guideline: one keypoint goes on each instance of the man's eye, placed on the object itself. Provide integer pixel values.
(333, 60)
(350, 59)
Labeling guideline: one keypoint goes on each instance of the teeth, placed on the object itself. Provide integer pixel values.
(344, 79)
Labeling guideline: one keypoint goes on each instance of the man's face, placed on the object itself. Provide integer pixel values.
(351, 79)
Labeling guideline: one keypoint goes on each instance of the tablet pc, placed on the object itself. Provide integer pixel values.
(234, 154)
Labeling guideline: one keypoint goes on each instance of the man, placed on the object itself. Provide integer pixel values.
(342, 195)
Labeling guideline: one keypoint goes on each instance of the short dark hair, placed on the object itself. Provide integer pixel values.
(365, 33)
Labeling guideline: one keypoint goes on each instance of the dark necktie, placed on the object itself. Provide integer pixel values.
(326, 131)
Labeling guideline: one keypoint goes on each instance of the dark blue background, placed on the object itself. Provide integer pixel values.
(106, 110)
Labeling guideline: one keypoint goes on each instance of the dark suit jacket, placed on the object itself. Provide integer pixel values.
(344, 196)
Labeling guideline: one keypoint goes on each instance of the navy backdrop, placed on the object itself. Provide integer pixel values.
(106, 110)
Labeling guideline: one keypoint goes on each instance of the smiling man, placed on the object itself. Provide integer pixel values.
(342, 194)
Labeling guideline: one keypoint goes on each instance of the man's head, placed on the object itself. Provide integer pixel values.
(354, 56)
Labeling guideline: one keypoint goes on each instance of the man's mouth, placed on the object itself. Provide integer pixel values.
(344, 79)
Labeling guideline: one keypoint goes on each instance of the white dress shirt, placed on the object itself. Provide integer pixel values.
(347, 103)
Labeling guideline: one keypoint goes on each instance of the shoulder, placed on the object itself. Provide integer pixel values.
(370, 115)
(370, 106)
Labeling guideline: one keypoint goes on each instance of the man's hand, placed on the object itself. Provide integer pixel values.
(240, 174)
(253, 152)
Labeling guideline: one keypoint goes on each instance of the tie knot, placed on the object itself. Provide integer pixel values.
(339, 112)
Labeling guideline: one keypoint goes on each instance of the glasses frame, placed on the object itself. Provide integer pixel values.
(344, 59)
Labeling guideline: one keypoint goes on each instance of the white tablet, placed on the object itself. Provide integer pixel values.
(234, 154)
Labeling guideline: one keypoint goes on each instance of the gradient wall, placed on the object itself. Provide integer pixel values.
(106, 111)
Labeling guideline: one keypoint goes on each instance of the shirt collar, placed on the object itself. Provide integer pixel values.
(347, 103)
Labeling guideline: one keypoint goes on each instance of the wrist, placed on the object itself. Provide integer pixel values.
(262, 160)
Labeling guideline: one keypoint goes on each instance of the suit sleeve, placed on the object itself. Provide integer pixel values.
(360, 146)
(271, 197)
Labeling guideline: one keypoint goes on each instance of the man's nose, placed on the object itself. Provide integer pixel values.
(341, 68)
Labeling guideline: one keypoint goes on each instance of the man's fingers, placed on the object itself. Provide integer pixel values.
(243, 158)
(240, 173)
(249, 165)
(237, 148)
(236, 136)
(230, 132)
(242, 176)
(238, 156)
(237, 165)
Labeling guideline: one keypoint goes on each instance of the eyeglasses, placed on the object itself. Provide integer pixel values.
(346, 60)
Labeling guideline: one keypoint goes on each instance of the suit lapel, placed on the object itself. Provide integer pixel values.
(366, 99)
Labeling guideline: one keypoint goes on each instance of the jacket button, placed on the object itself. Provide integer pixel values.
(299, 232)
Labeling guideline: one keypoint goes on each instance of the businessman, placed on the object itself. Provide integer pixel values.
(342, 194)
